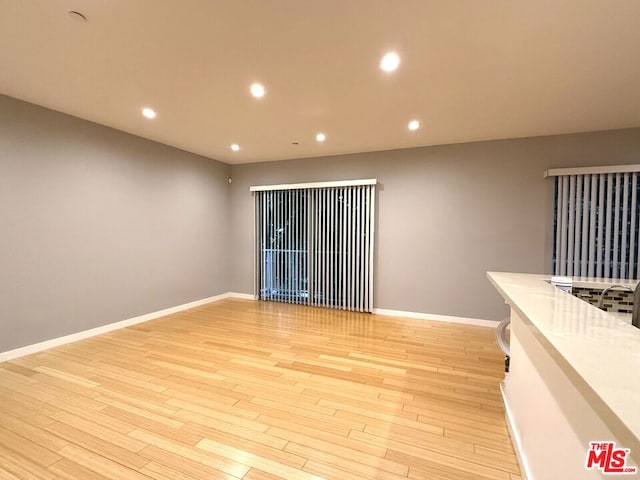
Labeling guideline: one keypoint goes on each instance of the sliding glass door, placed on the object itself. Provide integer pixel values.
(314, 244)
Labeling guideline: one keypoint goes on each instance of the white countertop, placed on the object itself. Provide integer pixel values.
(600, 351)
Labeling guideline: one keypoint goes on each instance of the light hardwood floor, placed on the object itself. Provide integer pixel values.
(240, 389)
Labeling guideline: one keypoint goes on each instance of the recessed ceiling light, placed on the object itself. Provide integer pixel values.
(235, 147)
(414, 125)
(257, 90)
(390, 62)
(321, 137)
(149, 112)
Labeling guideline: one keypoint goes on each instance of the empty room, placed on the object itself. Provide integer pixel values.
(343, 239)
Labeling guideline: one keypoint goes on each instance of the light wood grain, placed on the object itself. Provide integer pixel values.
(250, 390)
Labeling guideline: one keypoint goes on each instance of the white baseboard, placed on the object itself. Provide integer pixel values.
(245, 296)
(74, 337)
(515, 438)
(438, 318)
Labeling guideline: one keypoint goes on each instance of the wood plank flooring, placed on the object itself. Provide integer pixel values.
(240, 389)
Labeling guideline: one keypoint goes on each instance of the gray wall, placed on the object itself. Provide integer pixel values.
(98, 226)
(445, 215)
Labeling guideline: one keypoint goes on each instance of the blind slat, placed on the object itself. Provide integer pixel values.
(563, 222)
(625, 215)
(616, 229)
(584, 237)
(578, 226)
(322, 228)
(601, 223)
(372, 216)
(365, 244)
(592, 225)
(607, 229)
(633, 209)
(571, 224)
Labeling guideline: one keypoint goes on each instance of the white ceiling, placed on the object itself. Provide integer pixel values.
(471, 70)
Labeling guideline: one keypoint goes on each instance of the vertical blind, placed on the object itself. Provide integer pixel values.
(314, 245)
(596, 225)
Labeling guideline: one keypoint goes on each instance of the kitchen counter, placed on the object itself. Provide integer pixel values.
(570, 350)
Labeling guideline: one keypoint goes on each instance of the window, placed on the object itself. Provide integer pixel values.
(314, 244)
(596, 222)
